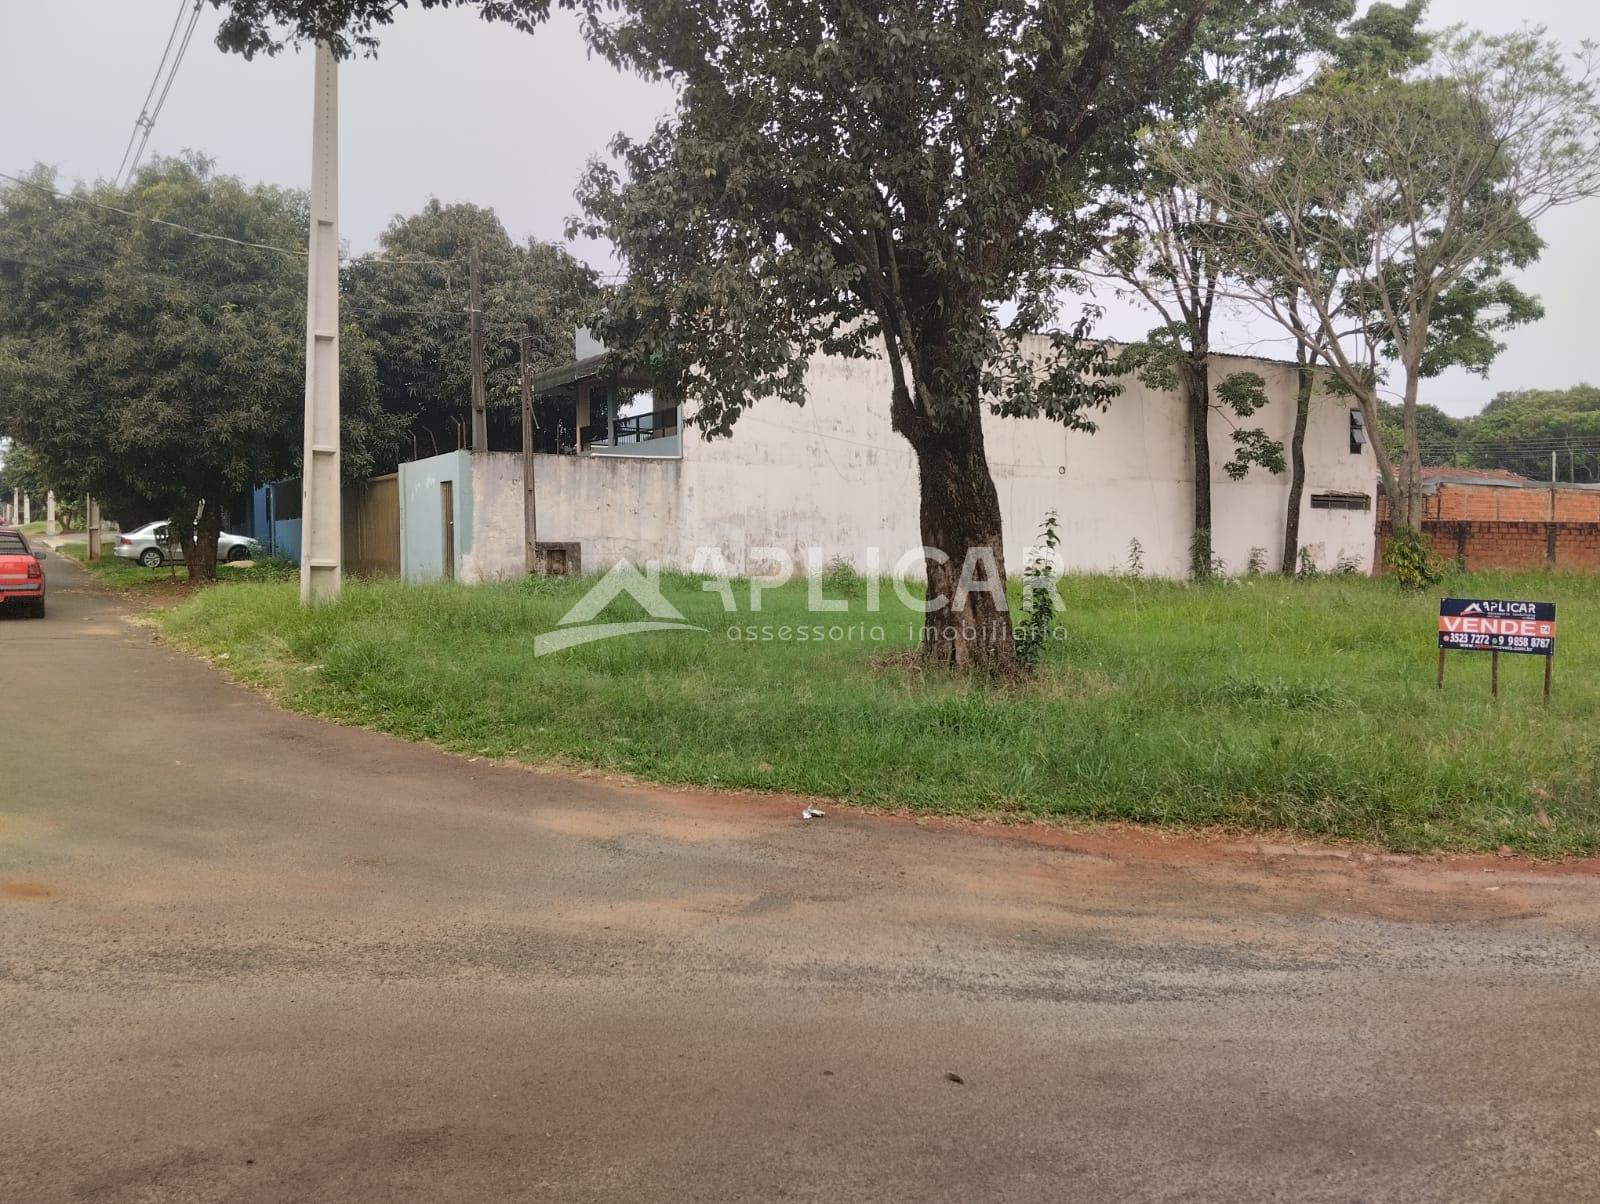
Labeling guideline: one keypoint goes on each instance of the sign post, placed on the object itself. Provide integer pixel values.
(1495, 626)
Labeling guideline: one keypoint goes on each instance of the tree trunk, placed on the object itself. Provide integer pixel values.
(960, 517)
(1194, 378)
(1411, 497)
(200, 552)
(1297, 465)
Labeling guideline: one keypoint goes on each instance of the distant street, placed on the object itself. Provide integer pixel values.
(247, 956)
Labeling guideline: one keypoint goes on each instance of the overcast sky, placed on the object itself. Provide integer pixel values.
(466, 111)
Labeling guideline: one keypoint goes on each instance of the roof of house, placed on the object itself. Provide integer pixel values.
(1458, 476)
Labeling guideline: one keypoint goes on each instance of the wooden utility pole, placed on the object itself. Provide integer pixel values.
(480, 422)
(530, 517)
(322, 531)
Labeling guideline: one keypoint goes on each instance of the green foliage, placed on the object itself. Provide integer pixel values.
(1135, 558)
(883, 179)
(1439, 434)
(1409, 560)
(1256, 563)
(410, 300)
(840, 574)
(1033, 633)
(1566, 421)
(252, 27)
(1386, 40)
(1516, 431)
(22, 469)
(1382, 214)
(1241, 394)
(1202, 564)
(154, 368)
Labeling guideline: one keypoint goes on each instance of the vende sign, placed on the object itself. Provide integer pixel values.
(1484, 625)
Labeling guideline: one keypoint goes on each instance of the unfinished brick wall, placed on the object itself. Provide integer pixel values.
(1451, 501)
(1511, 545)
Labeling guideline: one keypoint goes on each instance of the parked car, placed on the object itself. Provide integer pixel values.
(21, 578)
(153, 545)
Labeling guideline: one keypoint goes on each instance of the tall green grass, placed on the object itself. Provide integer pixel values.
(1305, 706)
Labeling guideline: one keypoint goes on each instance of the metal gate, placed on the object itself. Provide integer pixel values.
(372, 527)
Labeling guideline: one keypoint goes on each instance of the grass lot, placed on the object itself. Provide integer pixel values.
(1266, 704)
(128, 576)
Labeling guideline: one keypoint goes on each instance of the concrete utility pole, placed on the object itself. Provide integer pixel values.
(530, 523)
(480, 421)
(321, 533)
(50, 525)
(16, 504)
(27, 507)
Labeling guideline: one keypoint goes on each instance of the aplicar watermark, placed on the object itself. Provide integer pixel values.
(578, 627)
(978, 576)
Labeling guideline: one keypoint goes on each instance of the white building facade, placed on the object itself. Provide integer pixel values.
(833, 475)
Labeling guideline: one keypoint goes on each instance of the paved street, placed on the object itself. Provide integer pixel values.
(248, 956)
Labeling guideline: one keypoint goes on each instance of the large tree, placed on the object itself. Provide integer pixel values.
(1244, 54)
(1438, 434)
(152, 342)
(905, 179)
(1522, 431)
(410, 298)
(1395, 207)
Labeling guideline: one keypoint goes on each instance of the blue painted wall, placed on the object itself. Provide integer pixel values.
(421, 514)
(285, 539)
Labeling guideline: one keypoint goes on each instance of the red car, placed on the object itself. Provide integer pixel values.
(21, 577)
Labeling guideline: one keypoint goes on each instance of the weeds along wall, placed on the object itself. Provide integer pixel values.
(832, 474)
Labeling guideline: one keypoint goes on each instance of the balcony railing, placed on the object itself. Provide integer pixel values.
(641, 428)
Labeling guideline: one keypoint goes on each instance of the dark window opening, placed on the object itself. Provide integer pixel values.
(286, 500)
(1341, 501)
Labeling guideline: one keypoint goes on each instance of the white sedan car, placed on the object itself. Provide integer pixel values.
(152, 545)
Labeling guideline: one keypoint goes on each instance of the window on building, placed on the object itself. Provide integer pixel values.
(1341, 501)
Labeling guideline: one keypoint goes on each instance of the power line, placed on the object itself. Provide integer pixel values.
(138, 122)
(192, 290)
(144, 217)
(147, 115)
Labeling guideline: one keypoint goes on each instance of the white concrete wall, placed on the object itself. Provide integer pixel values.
(614, 507)
(832, 473)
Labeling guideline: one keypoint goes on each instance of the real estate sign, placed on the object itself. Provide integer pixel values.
(1490, 625)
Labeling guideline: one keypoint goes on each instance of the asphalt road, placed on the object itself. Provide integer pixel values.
(248, 956)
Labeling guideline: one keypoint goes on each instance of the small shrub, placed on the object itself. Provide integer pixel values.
(1257, 563)
(1410, 561)
(1135, 558)
(273, 568)
(1038, 597)
(840, 575)
(1306, 567)
(1202, 565)
(1348, 565)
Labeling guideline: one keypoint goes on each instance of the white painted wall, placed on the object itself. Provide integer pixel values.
(615, 507)
(832, 473)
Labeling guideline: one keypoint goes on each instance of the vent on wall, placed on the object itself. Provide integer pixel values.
(1341, 501)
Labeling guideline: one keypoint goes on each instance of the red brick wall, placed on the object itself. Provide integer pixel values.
(1512, 545)
(1451, 502)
